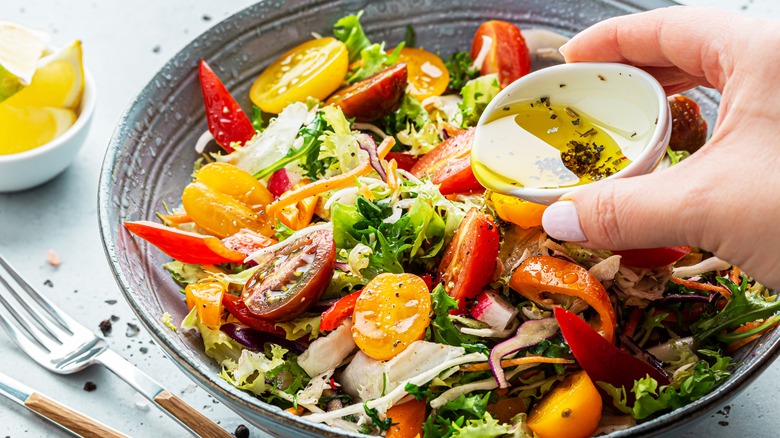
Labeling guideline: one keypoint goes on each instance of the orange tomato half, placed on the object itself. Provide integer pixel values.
(571, 410)
(520, 212)
(426, 73)
(391, 313)
(207, 297)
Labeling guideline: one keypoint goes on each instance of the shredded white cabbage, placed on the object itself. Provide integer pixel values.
(707, 265)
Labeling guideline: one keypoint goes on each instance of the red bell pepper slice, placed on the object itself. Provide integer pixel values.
(652, 258)
(227, 121)
(602, 360)
(428, 279)
(184, 246)
(338, 312)
(235, 305)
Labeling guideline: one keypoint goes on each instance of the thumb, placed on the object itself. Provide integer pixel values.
(646, 211)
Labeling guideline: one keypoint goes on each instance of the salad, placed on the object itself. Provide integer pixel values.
(340, 260)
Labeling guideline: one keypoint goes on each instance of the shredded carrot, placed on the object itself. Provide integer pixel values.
(392, 179)
(176, 219)
(483, 366)
(332, 183)
(295, 411)
(734, 274)
(633, 322)
(736, 345)
(701, 286)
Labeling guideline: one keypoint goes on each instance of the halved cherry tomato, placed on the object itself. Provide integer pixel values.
(207, 297)
(220, 214)
(236, 182)
(571, 410)
(391, 312)
(405, 161)
(298, 216)
(315, 68)
(372, 98)
(338, 312)
(652, 258)
(449, 165)
(602, 360)
(227, 121)
(427, 74)
(247, 241)
(508, 54)
(545, 274)
(185, 246)
(689, 129)
(520, 212)
(292, 279)
(225, 199)
(235, 305)
(407, 419)
(470, 259)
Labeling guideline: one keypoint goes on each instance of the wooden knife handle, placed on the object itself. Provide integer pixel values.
(188, 415)
(70, 419)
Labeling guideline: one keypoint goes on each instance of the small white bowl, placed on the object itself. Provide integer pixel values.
(34, 167)
(616, 94)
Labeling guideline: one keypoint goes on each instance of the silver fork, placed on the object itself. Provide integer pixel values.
(62, 345)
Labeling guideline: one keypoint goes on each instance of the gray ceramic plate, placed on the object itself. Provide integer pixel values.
(151, 155)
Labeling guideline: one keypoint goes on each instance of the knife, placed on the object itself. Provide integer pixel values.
(69, 419)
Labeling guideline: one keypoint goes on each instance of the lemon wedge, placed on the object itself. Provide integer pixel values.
(58, 81)
(20, 49)
(22, 129)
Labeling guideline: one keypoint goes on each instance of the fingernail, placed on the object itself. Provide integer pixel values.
(563, 49)
(561, 221)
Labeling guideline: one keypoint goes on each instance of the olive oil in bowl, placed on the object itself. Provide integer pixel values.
(545, 145)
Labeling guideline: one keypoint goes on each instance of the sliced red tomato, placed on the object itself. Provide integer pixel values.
(508, 54)
(184, 246)
(227, 121)
(338, 312)
(405, 161)
(449, 165)
(652, 258)
(372, 98)
(470, 259)
(235, 305)
(292, 279)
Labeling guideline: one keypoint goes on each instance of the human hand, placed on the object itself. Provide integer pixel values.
(724, 198)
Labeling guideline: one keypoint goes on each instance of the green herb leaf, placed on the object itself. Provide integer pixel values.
(410, 37)
(461, 71)
(443, 330)
(258, 119)
(743, 306)
(409, 112)
(373, 414)
(308, 151)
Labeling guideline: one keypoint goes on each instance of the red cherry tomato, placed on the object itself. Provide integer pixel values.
(508, 54)
(470, 259)
(372, 98)
(238, 309)
(405, 161)
(227, 121)
(651, 258)
(449, 165)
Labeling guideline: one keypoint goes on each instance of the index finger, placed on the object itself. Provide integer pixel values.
(695, 40)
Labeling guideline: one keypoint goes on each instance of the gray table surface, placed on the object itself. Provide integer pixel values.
(125, 43)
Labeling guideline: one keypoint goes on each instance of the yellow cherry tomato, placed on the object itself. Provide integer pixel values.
(315, 68)
(222, 215)
(520, 212)
(571, 410)
(426, 73)
(207, 297)
(236, 182)
(391, 313)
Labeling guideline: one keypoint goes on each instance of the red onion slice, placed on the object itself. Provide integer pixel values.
(369, 145)
(529, 334)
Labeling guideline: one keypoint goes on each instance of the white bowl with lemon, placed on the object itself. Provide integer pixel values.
(47, 99)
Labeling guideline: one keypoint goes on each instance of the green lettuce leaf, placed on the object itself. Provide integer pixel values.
(374, 59)
(184, 273)
(306, 324)
(651, 398)
(409, 112)
(453, 416)
(217, 344)
(443, 330)
(477, 93)
(349, 31)
(485, 427)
